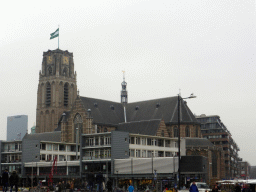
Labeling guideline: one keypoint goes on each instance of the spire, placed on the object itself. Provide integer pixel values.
(124, 95)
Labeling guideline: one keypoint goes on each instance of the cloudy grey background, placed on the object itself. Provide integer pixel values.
(204, 47)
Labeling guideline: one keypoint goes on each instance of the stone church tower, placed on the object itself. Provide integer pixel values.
(57, 89)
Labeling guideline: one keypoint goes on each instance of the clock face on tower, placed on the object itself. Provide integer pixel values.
(49, 59)
(65, 60)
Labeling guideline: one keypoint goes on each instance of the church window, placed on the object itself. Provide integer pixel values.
(78, 123)
(175, 131)
(50, 70)
(187, 132)
(65, 71)
(48, 95)
(66, 95)
(196, 131)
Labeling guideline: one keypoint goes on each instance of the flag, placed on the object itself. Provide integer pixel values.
(55, 34)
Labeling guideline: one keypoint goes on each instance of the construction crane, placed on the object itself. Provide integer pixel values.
(53, 171)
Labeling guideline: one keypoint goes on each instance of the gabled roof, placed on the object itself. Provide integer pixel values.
(198, 142)
(105, 112)
(164, 108)
(47, 136)
(149, 127)
(112, 113)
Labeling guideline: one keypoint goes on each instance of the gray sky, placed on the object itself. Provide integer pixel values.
(201, 47)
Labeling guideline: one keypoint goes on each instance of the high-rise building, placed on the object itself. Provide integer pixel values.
(16, 127)
(213, 129)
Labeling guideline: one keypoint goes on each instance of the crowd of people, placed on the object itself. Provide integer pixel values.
(11, 181)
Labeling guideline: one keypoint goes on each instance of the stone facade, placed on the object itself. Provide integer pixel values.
(57, 89)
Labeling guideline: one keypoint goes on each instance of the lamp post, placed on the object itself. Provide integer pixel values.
(116, 178)
(179, 99)
(209, 174)
(77, 143)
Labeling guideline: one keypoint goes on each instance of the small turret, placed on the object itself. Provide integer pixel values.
(124, 94)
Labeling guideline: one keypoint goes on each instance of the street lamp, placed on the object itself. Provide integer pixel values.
(209, 173)
(116, 178)
(179, 99)
(76, 143)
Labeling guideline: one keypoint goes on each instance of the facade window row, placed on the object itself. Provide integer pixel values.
(151, 142)
(98, 141)
(150, 153)
(12, 147)
(97, 154)
(58, 147)
(51, 157)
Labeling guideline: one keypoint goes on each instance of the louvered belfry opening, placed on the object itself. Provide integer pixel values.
(66, 95)
(48, 95)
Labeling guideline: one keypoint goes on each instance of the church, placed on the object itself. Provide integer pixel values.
(61, 108)
(122, 140)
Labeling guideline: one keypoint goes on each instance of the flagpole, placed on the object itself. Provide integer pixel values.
(59, 37)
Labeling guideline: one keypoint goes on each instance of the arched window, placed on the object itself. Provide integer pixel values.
(175, 132)
(105, 129)
(66, 94)
(78, 126)
(48, 95)
(187, 132)
(50, 70)
(65, 72)
(98, 129)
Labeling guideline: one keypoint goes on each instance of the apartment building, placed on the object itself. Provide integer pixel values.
(214, 129)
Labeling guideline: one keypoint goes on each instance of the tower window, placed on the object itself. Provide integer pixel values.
(50, 70)
(48, 95)
(65, 72)
(66, 95)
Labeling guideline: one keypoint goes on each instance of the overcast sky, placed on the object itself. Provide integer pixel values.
(201, 47)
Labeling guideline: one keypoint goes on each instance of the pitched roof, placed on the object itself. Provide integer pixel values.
(109, 112)
(105, 112)
(47, 136)
(148, 127)
(198, 142)
(164, 108)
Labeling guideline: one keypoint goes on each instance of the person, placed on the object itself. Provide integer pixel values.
(63, 186)
(109, 185)
(99, 180)
(72, 186)
(59, 187)
(131, 188)
(5, 180)
(14, 180)
(215, 188)
(237, 188)
(193, 187)
(90, 179)
(68, 186)
(246, 189)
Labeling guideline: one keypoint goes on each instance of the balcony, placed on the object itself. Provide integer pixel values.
(14, 161)
(95, 157)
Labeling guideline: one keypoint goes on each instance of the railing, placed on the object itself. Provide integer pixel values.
(95, 158)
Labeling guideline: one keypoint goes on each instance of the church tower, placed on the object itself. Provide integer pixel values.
(57, 89)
